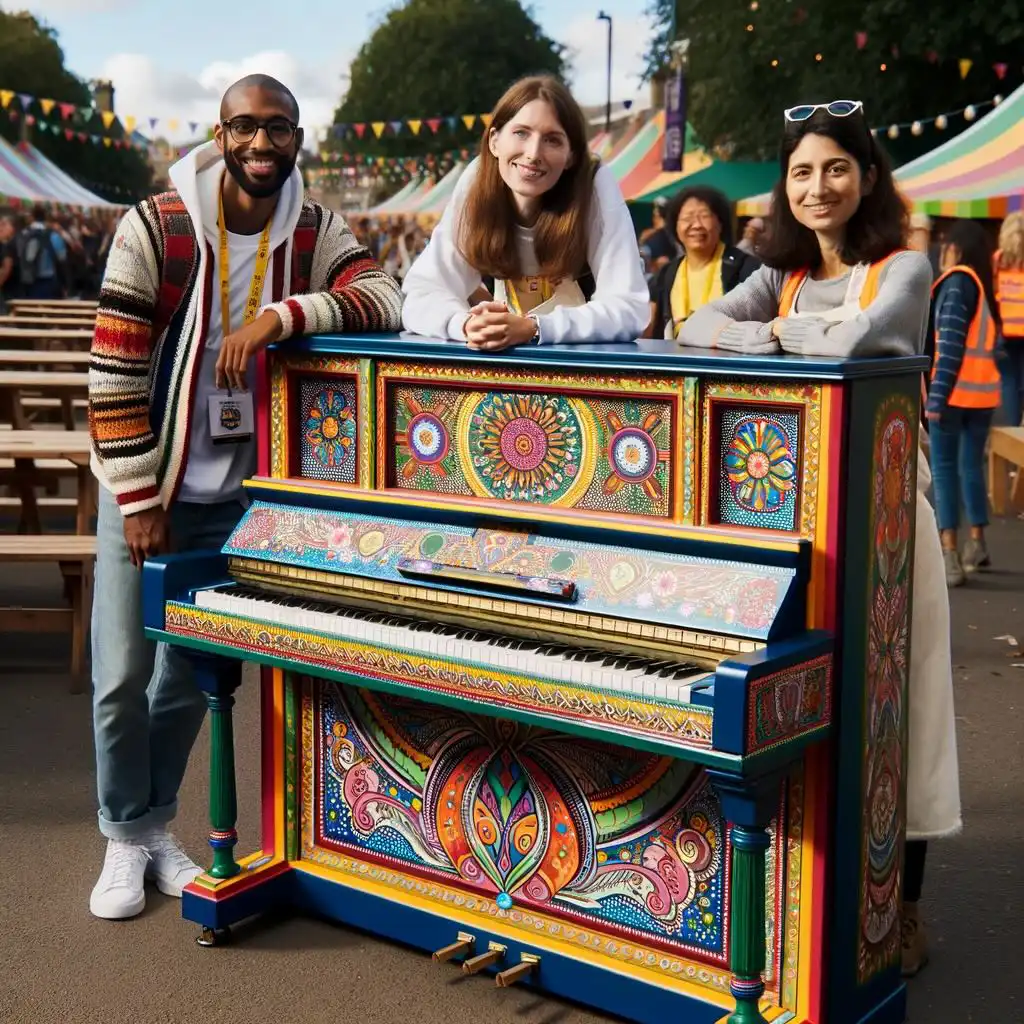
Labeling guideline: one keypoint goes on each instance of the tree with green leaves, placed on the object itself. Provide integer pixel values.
(32, 62)
(751, 59)
(443, 59)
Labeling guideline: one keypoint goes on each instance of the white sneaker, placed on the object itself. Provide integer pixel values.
(120, 891)
(169, 865)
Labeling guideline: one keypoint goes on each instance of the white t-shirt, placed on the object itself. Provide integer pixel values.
(215, 472)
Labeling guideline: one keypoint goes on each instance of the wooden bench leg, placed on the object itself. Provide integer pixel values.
(997, 469)
(78, 583)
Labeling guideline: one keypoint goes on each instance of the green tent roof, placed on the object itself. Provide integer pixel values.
(736, 179)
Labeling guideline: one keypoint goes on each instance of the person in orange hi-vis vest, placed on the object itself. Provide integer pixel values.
(839, 282)
(963, 392)
(1009, 285)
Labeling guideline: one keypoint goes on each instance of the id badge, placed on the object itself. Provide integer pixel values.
(231, 418)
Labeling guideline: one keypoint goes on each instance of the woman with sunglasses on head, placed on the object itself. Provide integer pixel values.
(838, 283)
(544, 225)
(711, 266)
(963, 392)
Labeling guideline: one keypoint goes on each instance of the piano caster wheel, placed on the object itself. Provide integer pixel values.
(213, 937)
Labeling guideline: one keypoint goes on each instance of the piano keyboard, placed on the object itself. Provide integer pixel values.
(630, 674)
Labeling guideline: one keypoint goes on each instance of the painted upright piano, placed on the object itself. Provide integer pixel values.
(584, 667)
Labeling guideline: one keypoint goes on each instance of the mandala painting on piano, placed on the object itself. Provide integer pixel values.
(327, 446)
(593, 452)
(624, 840)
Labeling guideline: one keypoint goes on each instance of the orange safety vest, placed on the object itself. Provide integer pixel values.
(1010, 296)
(868, 294)
(977, 384)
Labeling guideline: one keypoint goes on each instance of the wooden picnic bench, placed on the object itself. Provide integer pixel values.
(37, 359)
(64, 386)
(1005, 453)
(73, 306)
(59, 323)
(30, 453)
(75, 556)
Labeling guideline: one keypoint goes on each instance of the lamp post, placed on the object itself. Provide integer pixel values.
(608, 103)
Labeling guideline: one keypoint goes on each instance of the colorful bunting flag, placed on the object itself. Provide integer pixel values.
(396, 127)
(360, 128)
(414, 125)
(1000, 69)
(129, 124)
(26, 100)
(47, 106)
(6, 95)
(965, 66)
(378, 128)
(107, 117)
(434, 123)
(486, 118)
(469, 120)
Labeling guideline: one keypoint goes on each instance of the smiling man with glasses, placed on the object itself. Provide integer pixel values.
(198, 281)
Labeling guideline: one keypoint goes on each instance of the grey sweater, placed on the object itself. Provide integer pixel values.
(893, 325)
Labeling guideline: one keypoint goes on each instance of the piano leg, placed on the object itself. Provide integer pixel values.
(218, 678)
(748, 805)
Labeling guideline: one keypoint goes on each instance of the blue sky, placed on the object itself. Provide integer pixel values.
(172, 58)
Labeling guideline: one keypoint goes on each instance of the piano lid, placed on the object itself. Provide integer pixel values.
(681, 591)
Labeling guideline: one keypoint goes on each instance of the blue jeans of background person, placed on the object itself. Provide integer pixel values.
(1011, 370)
(44, 288)
(147, 710)
(958, 465)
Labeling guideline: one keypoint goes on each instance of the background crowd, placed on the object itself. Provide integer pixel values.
(50, 255)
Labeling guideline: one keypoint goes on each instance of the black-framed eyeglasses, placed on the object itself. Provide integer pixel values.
(279, 130)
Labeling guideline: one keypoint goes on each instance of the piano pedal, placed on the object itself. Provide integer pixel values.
(210, 937)
(529, 962)
(463, 946)
(495, 952)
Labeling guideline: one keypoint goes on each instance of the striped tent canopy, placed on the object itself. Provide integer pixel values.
(602, 145)
(735, 179)
(29, 177)
(411, 188)
(637, 167)
(434, 201)
(979, 173)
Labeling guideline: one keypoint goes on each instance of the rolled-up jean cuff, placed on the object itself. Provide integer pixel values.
(155, 817)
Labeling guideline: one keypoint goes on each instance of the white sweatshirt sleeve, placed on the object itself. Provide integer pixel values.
(440, 281)
(620, 306)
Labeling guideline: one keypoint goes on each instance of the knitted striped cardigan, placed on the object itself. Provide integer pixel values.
(150, 333)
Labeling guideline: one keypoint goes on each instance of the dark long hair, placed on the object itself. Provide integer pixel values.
(971, 240)
(715, 201)
(877, 228)
(486, 235)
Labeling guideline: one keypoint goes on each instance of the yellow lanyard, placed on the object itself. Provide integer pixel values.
(546, 291)
(681, 308)
(255, 299)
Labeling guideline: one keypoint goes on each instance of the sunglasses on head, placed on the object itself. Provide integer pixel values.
(837, 108)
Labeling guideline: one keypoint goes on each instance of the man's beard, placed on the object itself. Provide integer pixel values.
(260, 190)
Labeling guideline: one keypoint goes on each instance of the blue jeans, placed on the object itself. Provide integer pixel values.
(147, 710)
(1011, 370)
(958, 465)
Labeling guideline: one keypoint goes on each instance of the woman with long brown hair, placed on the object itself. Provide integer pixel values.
(536, 244)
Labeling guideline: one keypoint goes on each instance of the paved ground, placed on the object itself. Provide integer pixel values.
(59, 964)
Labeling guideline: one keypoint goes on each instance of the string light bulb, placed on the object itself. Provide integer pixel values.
(754, 5)
(970, 113)
(817, 56)
(941, 122)
(883, 67)
(997, 99)
(750, 28)
(775, 63)
(916, 128)
(894, 131)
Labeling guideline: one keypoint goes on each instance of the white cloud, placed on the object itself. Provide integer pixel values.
(587, 40)
(145, 89)
(48, 8)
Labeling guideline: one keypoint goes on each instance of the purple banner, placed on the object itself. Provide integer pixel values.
(675, 122)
